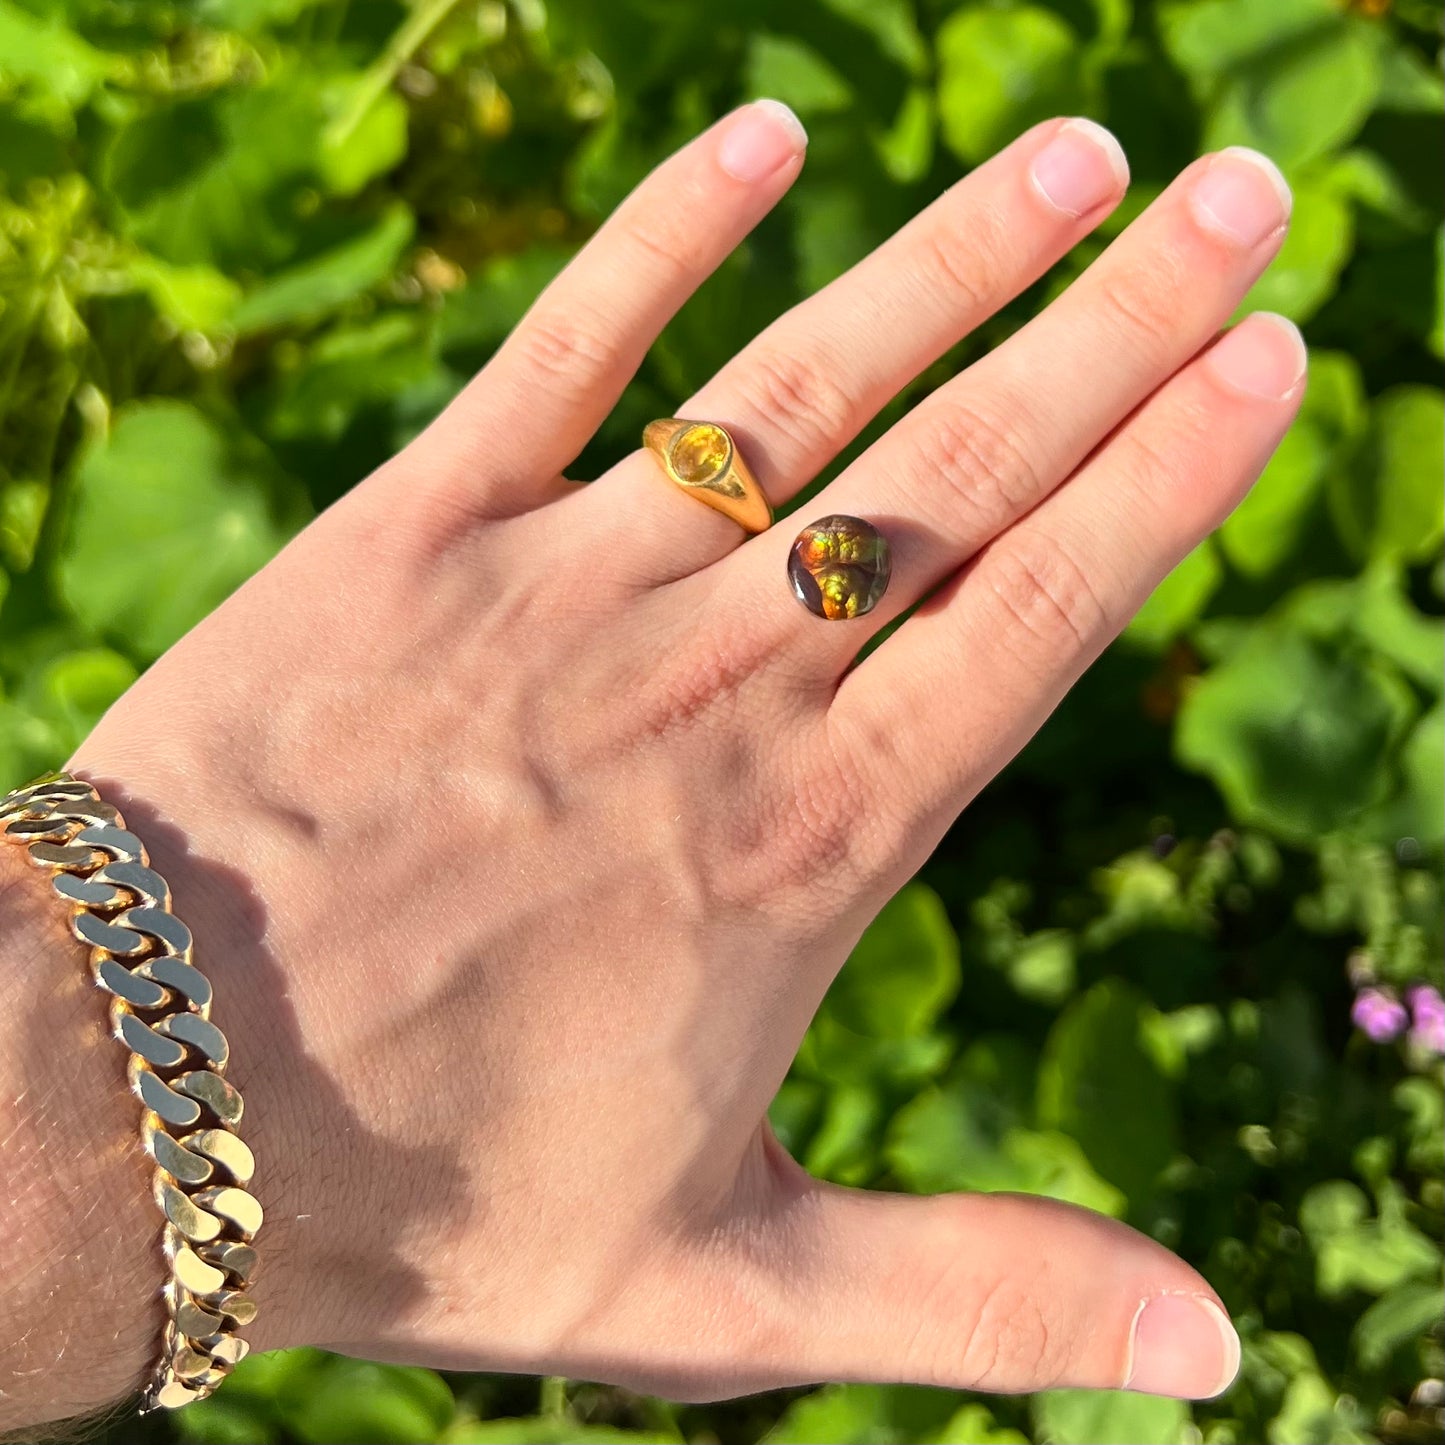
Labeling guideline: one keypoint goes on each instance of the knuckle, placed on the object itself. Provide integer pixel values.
(1043, 590)
(980, 1329)
(1144, 306)
(664, 248)
(983, 463)
(799, 398)
(568, 352)
(1008, 1338)
(954, 260)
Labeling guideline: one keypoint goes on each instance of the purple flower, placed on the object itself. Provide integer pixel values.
(1428, 1007)
(1379, 1014)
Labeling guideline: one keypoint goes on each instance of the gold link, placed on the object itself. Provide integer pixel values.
(139, 1038)
(228, 1349)
(196, 1321)
(185, 978)
(238, 1259)
(240, 1307)
(85, 891)
(157, 1095)
(138, 992)
(178, 1161)
(199, 1034)
(235, 1205)
(121, 942)
(192, 1221)
(142, 881)
(226, 1149)
(193, 1273)
(214, 1092)
(157, 923)
(120, 907)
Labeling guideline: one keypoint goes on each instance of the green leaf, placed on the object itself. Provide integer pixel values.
(862, 1415)
(970, 1133)
(1418, 811)
(832, 1053)
(23, 505)
(1178, 600)
(1001, 71)
(1405, 1314)
(1373, 608)
(1391, 504)
(784, 68)
(904, 970)
(845, 1143)
(1099, 1084)
(1087, 1417)
(350, 155)
(45, 56)
(1042, 966)
(191, 298)
(1355, 1252)
(327, 281)
(1297, 734)
(228, 179)
(1313, 1413)
(546, 1430)
(1269, 524)
(171, 513)
(974, 1425)
(355, 1402)
(837, 1415)
(352, 370)
(1294, 78)
(59, 703)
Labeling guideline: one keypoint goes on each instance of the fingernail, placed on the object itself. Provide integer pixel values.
(1081, 167)
(1263, 356)
(759, 138)
(1183, 1345)
(1243, 195)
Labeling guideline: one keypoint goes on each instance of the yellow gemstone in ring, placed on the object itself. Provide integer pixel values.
(701, 452)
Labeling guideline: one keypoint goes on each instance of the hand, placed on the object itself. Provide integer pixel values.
(522, 825)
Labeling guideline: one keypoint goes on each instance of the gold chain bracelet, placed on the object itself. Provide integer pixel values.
(160, 1007)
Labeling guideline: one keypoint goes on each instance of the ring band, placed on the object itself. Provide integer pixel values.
(702, 458)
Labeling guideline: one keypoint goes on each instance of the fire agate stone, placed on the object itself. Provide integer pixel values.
(839, 567)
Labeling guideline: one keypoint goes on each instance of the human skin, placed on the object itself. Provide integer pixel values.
(523, 824)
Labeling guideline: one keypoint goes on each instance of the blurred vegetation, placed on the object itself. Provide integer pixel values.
(249, 247)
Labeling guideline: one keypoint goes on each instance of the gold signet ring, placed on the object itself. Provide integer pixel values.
(702, 459)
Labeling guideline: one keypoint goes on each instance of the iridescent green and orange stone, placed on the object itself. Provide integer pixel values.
(839, 567)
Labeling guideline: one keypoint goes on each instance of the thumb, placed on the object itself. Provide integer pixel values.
(1000, 1292)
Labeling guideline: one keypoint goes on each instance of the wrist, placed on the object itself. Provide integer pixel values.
(80, 1264)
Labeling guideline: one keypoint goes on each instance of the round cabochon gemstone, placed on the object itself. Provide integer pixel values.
(700, 452)
(839, 567)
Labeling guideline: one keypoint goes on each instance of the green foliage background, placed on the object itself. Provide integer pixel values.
(249, 247)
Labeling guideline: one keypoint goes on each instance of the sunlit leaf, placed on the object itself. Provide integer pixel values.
(1000, 71)
(172, 511)
(1297, 735)
(1085, 1417)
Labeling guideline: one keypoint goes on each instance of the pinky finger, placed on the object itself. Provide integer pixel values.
(965, 682)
